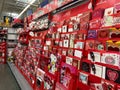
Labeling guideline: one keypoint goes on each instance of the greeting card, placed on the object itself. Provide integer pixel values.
(116, 20)
(71, 43)
(98, 70)
(112, 75)
(83, 77)
(48, 83)
(98, 13)
(65, 43)
(78, 53)
(99, 45)
(114, 33)
(76, 63)
(48, 42)
(52, 65)
(67, 36)
(70, 26)
(108, 21)
(72, 36)
(57, 35)
(85, 17)
(64, 52)
(70, 52)
(90, 44)
(103, 34)
(79, 45)
(40, 77)
(84, 26)
(80, 36)
(65, 76)
(85, 67)
(56, 43)
(97, 86)
(101, 2)
(59, 29)
(110, 58)
(117, 8)
(109, 11)
(94, 56)
(107, 85)
(92, 34)
(75, 26)
(64, 28)
(69, 60)
(61, 43)
(96, 24)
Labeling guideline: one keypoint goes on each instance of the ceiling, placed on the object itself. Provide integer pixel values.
(14, 7)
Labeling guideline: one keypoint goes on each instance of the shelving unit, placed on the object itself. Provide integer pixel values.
(3, 46)
(77, 50)
(12, 39)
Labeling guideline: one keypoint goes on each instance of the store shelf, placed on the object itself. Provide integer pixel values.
(13, 33)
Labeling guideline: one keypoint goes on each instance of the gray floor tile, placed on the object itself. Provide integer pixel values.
(7, 80)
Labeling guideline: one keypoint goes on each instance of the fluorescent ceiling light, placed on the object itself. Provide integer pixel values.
(14, 15)
(24, 1)
(26, 8)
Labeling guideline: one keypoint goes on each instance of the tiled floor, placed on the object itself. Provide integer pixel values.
(7, 80)
(24, 85)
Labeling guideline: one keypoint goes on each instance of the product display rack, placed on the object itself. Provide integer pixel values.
(79, 51)
(3, 46)
(12, 39)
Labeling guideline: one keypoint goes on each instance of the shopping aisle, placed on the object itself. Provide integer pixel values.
(7, 80)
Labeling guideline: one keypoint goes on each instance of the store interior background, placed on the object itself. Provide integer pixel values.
(35, 69)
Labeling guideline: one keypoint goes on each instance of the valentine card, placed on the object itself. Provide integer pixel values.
(64, 28)
(96, 86)
(112, 75)
(99, 45)
(76, 63)
(65, 43)
(71, 43)
(79, 45)
(90, 44)
(92, 34)
(97, 71)
(108, 21)
(85, 67)
(110, 58)
(70, 52)
(103, 34)
(83, 77)
(64, 52)
(69, 60)
(78, 53)
(94, 56)
(107, 85)
(109, 11)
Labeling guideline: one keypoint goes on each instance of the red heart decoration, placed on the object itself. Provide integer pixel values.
(113, 75)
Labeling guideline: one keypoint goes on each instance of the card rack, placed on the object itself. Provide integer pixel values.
(3, 46)
(77, 53)
(23, 37)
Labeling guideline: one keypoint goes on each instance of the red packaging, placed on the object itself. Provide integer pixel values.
(98, 13)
